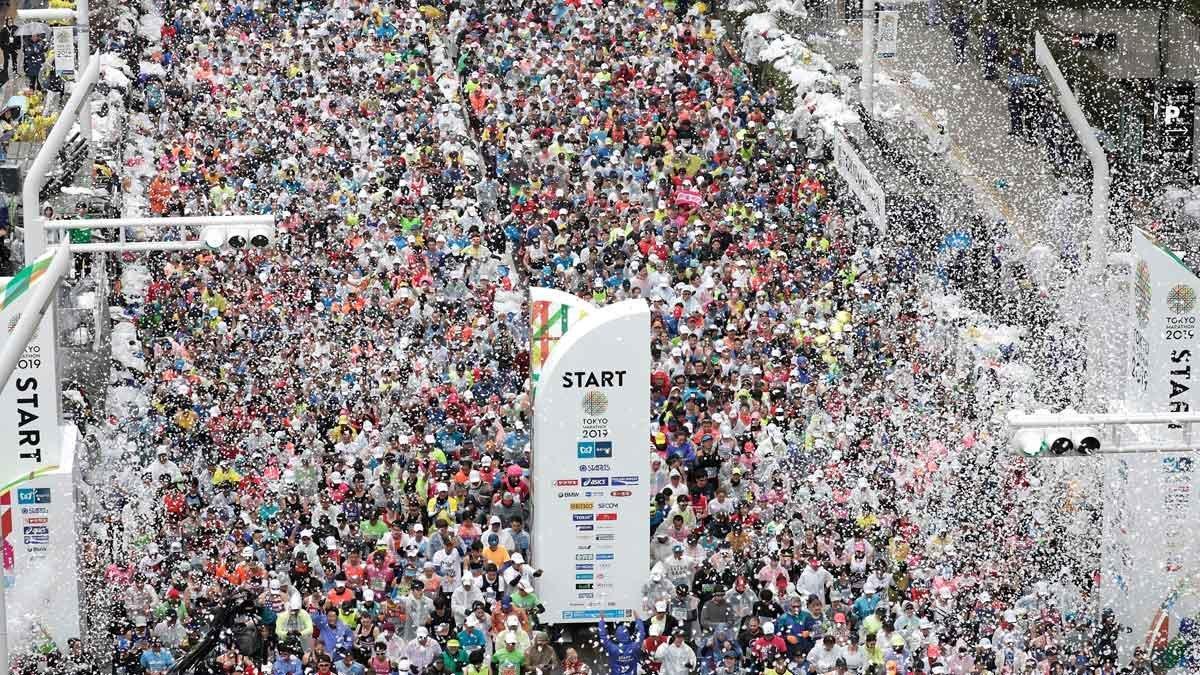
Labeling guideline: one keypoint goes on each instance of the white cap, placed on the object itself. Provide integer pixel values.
(306, 533)
(512, 620)
(486, 460)
(494, 519)
(248, 552)
(510, 637)
(442, 487)
(474, 476)
(525, 586)
(422, 631)
(472, 622)
(468, 581)
(518, 558)
(404, 665)
(768, 628)
(660, 606)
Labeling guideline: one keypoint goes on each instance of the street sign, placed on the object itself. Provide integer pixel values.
(1175, 116)
(886, 33)
(862, 183)
(64, 49)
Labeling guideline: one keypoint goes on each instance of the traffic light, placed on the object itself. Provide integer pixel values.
(236, 237)
(1029, 442)
(1057, 442)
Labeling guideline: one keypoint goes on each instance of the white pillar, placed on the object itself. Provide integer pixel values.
(868, 57)
(1101, 178)
(83, 55)
(1089, 287)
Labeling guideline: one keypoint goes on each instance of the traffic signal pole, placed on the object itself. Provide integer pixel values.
(1089, 289)
(868, 57)
(41, 297)
(1108, 428)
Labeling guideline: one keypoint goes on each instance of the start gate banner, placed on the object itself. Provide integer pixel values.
(1150, 556)
(590, 472)
(29, 405)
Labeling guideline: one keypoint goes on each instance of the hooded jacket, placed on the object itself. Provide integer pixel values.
(625, 651)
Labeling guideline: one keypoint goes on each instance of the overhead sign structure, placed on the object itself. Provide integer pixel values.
(886, 34)
(860, 179)
(1149, 554)
(590, 474)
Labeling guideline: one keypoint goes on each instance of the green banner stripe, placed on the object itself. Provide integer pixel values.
(26, 276)
(559, 315)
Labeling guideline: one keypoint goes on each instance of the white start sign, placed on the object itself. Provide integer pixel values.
(590, 470)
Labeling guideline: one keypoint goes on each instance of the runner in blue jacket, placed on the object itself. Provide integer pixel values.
(625, 652)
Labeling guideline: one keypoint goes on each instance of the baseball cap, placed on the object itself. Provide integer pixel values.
(422, 631)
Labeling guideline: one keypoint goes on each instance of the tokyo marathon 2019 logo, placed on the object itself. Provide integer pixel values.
(1181, 299)
(595, 403)
(1141, 292)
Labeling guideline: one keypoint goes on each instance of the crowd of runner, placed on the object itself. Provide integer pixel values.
(335, 439)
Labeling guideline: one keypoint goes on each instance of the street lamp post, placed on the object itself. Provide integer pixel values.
(868, 57)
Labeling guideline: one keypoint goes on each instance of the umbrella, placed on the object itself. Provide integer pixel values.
(33, 28)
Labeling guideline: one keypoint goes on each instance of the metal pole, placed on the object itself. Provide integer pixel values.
(164, 221)
(1092, 304)
(46, 15)
(84, 56)
(1101, 178)
(1020, 420)
(139, 246)
(35, 176)
(868, 57)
